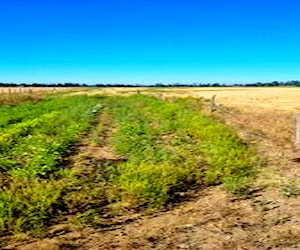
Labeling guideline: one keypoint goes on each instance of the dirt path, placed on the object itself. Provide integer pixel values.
(210, 221)
(213, 219)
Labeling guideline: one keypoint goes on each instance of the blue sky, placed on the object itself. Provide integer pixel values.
(149, 41)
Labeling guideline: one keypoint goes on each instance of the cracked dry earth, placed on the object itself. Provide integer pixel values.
(211, 218)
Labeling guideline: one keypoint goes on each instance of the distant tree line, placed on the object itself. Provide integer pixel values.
(43, 85)
(295, 83)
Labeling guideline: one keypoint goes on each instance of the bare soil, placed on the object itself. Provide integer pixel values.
(269, 218)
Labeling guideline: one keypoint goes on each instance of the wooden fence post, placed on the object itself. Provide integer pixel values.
(213, 105)
(297, 142)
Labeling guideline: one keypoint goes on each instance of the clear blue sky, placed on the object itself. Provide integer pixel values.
(149, 41)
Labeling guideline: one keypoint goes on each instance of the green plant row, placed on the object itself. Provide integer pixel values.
(170, 145)
(28, 193)
(10, 135)
(11, 115)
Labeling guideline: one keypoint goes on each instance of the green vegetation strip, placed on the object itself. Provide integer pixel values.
(169, 147)
(33, 149)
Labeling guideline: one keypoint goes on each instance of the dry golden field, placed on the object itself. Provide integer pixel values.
(286, 99)
(9, 90)
(16, 95)
(274, 98)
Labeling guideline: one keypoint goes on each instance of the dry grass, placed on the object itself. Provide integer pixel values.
(16, 98)
(274, 99)
(16, 95)
(17, 90)
(124, 91)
